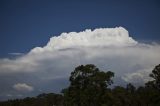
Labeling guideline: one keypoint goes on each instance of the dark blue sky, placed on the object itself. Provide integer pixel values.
(25, 24)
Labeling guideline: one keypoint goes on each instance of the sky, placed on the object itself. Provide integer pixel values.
(42, 41)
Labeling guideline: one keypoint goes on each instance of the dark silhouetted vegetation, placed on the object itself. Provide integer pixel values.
(41, 100)
(89, 87)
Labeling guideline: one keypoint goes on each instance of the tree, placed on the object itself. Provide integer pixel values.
(88, 86)
(130, 88)
(156, 78)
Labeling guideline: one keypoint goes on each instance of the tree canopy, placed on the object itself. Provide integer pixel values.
(87, 86)
(156, 76)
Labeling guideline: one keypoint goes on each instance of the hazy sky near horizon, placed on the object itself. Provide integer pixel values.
(42, 41)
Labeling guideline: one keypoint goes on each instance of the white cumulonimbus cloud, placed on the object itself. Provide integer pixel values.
(108, 48)
(23, 87)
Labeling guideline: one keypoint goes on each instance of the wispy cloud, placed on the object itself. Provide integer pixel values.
(16, 54)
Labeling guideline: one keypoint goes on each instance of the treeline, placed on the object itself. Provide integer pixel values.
(89, 86)
(50, 99)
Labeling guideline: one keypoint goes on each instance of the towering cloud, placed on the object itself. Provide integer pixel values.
(108, 48)
(102, 37)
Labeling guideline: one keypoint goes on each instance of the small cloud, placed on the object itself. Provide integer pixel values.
(137, 77)
(23, 87)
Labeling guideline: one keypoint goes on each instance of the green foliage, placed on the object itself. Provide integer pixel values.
(88, 86)
(156, 76)
(41, 100)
